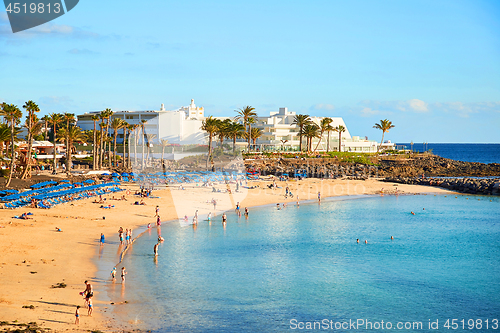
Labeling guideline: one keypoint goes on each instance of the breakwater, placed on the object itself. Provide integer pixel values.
(490, 186)
(382, 166)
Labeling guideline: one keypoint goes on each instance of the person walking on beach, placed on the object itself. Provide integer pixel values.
(123, 274)
(155, 249)
(77, 315)
(319, 196)
(113, 273)
(102, 240)
(157, 211)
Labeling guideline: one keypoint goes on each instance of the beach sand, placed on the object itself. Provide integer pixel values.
(34, 256)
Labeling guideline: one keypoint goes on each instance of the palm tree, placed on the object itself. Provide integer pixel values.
(95, 158)
(55, 119)
(256, 133)
(4, 136)
(135, 128)
(247, 115)
(102, 117)
(125, 130)
(108, 121)
(310, 131)
(301, 120)
(143, 123)
(31, 107)
(223, 130)
(235, 131)
(328, 128)
(340, 129)
(45, 119)
(116, 125)
(70, 135)
(384, 125)
(69, 118)
(323, 127)
(12, 115)
(209, 125)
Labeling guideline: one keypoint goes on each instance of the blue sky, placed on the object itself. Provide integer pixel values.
(432, 67)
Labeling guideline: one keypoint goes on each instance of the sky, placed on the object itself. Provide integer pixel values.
(431, 67)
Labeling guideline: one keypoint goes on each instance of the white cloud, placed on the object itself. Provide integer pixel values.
(418, 105)
(367, 112)
(328, 107)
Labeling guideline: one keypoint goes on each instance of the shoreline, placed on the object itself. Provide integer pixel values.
(54, 308)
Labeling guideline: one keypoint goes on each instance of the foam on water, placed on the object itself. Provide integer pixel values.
(303, 263)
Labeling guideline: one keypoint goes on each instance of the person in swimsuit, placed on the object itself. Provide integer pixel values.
(77, 315)
(224, 218)
(90, 308)
(123, 274)
(113, 273)
(246, 211)
(102, 239)
(155, 249)
(88, 292)
(157, 211)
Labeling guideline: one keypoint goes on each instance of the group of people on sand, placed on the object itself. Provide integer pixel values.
(87, 294)
(125, 236)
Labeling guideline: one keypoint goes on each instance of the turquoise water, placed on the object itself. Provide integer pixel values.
(303, 263)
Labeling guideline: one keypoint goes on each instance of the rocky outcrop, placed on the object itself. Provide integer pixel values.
(394, 166)
(489, 186)
(432, 166)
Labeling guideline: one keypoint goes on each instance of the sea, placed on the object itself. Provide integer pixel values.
(300, 268)
(467, 152)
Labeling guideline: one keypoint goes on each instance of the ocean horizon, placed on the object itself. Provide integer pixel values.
(466, 152)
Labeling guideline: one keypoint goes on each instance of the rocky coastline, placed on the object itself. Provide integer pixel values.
(489, 186)
(422, 169)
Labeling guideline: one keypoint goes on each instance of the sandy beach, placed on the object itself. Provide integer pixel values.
(35, 256)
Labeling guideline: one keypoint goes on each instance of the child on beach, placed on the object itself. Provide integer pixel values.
(113, 273)
(123, 274)
(90, 308)
(77, 315)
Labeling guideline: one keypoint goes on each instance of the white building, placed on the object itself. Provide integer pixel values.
(279, 133)
(181, 126)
